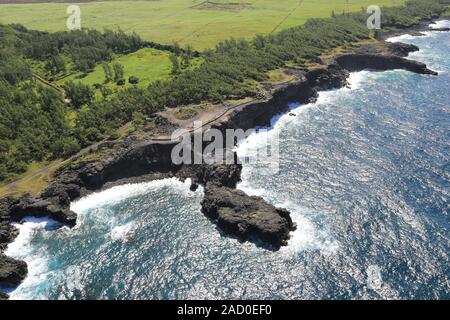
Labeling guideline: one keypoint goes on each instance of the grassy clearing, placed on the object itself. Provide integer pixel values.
(147, 64)
(187, 21)
(33, 181)
(278, 76)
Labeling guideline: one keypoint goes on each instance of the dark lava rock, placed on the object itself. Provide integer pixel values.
(441, 29)
(39, 207)
(387, 49)
(358, 62)
(7, 231)
(401, 49)
(246, 217)
(193, 187)
(332, 77)
(219, 174)
(12, 272)
(224, 175)
(3, 296)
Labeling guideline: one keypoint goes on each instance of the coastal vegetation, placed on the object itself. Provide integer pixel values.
(39, 122)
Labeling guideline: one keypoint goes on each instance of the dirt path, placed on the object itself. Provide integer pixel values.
(48, 83)
(44, 174)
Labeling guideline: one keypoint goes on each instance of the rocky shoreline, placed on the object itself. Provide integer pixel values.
(234, 212)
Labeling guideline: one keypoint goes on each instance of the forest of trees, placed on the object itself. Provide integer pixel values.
(37, 124)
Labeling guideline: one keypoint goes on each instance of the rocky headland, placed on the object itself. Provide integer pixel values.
(234, 212)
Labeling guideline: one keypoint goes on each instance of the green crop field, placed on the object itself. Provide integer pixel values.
(196, 22)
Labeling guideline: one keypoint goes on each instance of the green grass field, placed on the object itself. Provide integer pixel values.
(147, 64)
(196, 22)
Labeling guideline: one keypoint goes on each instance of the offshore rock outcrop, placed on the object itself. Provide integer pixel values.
(245, 217)
(248, 218)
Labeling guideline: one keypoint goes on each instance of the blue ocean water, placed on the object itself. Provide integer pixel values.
(365, 172)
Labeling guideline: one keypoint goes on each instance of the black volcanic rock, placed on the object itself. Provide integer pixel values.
(43, 207)
(222, 174)
(358, 62)
(12, 272)
(332, 77)
(401, 49)
(7, 231)
(440, 29)
(246, 217)
(3, 296)
(387, 49)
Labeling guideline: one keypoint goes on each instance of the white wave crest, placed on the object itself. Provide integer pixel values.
(119, 193)
(401, 38)
(35, 257)
(440, 24)
(123, 232)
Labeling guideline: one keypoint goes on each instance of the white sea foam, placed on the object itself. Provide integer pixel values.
(401, 38)
(119, 193)
(308, 236)
(440, 24)
(123, 232)
(35, 284)
(27, 230)
(35, 257)
(437, 25)
(356, 79)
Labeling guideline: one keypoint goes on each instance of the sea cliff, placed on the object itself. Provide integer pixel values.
(237, 214)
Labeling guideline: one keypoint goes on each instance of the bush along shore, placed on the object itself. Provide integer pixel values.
(234, 212)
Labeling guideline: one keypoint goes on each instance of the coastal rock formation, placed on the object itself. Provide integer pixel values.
(219, 174)
(12, 272)
(43, 207)
(246, 217)
(357, 62)
(441, 29)
(400, 49)
(332, 77)
(387, 49)
(7, 230)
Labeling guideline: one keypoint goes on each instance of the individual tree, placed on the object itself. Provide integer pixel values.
(175, 64)
(108, 72)
(138, 120)
(176, 48)
(187, 55)
(118, 71)
(78, 93)
(105, 91)
(259, 42)
(55, 65)
(65, 147)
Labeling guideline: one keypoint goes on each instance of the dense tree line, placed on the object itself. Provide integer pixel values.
(230, 70)
(36, 123)
(86, 48)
